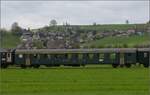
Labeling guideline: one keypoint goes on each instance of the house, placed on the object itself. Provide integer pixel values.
(55, 44)
(26, 36)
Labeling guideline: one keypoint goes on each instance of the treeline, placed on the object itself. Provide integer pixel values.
(15, 30)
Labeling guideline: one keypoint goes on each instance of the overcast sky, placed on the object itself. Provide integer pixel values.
(35, 14)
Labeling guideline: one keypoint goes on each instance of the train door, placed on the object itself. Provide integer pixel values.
(95, 58)
(6, 58)
(107, 59)
(85, 58)
(3, 60)
(28, 63)
(101, 58)
(122, 58)
(130, 58)
(9, 58)
(3, 57)
(144, 58)
(74, 58)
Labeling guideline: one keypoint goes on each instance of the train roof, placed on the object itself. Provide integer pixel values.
(144, 49)
(3, 50)
(7, 50)
(59, 51)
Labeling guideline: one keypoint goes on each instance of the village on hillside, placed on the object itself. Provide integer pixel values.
(68, 36)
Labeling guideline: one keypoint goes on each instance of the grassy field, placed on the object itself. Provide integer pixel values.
(75, 81)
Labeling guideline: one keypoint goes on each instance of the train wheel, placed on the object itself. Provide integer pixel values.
(56, 65)
(4, 66)
(48, 65)
(23, 66)
(115, 65)
(36, 66)
(128, 65)
(76, 65)
(146, 65)
(121, 65)
(83, 65)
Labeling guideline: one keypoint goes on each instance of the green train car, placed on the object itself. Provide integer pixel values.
(74, 57)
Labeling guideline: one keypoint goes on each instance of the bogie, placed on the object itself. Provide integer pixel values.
(115, 65)
(36, 66)
(23, 66)
(4, 66)
(146, 65)
(128, 65)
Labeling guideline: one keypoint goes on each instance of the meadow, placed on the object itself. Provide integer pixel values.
(131, 41)
(75, 81)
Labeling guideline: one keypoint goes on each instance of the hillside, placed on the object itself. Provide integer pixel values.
(99, 28)
(9, 40)
(109, 27)
(130, 41)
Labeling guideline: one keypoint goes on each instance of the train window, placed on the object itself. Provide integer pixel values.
(55, 56)
(86, 56)
(145, 54)
(45, 55)
(113, 56)
(8, 55)
(96, 55)
(80, 56)
(66, 56)
(101, 60)
(48, 56)
(69, 56)
(35, 55)
(91, 56)
(3, 59)
(129, 54)
(38, 56)
(20, 56)
(101, 55)
(74, 56)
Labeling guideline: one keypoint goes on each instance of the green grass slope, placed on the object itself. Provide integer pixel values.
(130, 41)
(110, 27)
(9, 40)
(75, 81)
(98, 27)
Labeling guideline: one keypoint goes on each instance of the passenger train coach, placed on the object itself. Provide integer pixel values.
(74, 57)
